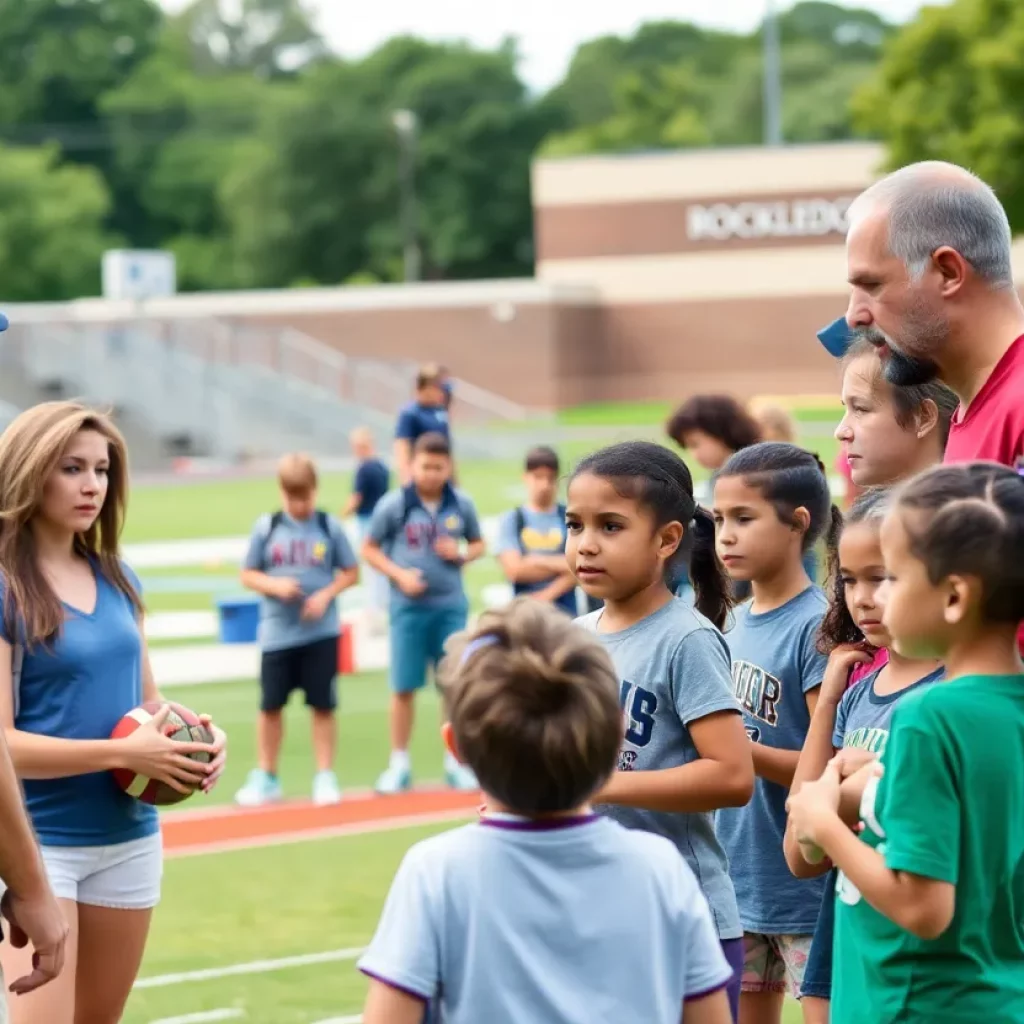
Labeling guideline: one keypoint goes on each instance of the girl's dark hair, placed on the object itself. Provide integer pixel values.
(838, 627)
(658, 480)
(721, 416)
(790, 478)
(969, 520)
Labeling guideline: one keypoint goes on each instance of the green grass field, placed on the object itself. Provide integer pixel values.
(268, 903)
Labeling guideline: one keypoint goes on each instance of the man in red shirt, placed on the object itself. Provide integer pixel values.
(928, 260)
(928, 254)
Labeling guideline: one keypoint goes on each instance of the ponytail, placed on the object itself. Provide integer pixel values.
(659, 480)
(711, 585)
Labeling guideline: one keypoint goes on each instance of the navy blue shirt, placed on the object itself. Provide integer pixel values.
(415, 420)
(371, 484)
(77, 688)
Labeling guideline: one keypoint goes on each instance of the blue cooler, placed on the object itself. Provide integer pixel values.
(239, 619)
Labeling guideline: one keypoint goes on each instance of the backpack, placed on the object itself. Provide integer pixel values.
(278, 517)
(520, 521)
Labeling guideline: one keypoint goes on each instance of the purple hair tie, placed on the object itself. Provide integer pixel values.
(477, 644)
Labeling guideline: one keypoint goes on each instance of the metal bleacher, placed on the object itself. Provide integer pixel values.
(204, 387)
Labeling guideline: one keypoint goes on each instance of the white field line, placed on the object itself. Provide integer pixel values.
(254, 967)
(354, 1019)
(311, 835)
(206, 1017)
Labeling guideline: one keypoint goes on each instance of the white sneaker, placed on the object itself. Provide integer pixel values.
(394, 780)
(326, 789)
(260, 788)
(461, 777)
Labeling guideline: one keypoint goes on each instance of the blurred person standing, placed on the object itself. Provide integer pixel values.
(370, 484)
(427, 413)
(531, 539)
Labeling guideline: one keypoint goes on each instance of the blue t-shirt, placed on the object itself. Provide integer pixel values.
(863, 716)
(774, 665)
(405, 529)
(305, 551)
(673, 668)
(371, 484)
(79, 688)
(415, 420)
(543, 533)
(577, 921)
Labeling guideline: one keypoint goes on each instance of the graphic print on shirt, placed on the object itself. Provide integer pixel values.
(759, 694)
(640, 706)
(873, 835)
(421, 534)
(870, 738)
(300, 553)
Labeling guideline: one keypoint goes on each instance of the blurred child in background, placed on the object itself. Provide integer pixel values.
(531, 538)
(415, 539)
(775, 421)
(299, 560)
(370, 484)
(541, 911)
(710, 428)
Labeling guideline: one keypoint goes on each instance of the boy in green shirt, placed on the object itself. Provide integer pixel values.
(930, 898)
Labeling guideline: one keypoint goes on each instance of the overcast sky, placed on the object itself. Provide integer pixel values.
(548, 30)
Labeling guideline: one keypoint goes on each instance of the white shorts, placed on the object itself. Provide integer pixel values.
(125, 876)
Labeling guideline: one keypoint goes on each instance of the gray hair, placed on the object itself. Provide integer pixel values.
(934, 204)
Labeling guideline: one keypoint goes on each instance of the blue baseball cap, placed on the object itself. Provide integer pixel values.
(4, 322)
(836, 338)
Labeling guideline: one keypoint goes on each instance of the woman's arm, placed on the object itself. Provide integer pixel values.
(47, 757)
(146, 750)
(723, 775)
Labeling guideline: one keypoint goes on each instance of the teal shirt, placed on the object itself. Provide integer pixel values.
(950, 807)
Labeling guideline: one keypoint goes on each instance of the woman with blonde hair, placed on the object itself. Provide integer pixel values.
(73, 660)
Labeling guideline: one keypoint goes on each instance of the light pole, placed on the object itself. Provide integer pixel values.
(772, 78)
(406, 126)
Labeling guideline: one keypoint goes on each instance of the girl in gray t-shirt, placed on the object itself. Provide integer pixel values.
(632, 522)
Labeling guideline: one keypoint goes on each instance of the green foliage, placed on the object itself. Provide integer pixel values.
(228, 133)
(949, 88)
(51, 225)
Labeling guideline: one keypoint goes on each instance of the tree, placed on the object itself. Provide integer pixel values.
(672, 85)
(177, 136)
(317, 196)
(51, 226)
(949, 88)
(269, 38)
(60, 58)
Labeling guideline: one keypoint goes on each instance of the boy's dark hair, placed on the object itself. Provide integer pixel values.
(542, 457)
(721, 416)
(429, 374)
(533, 702)
(660, 481)
(789, 478)
(907, 399)
(838, 627)
(432, 443)
(969, 520)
